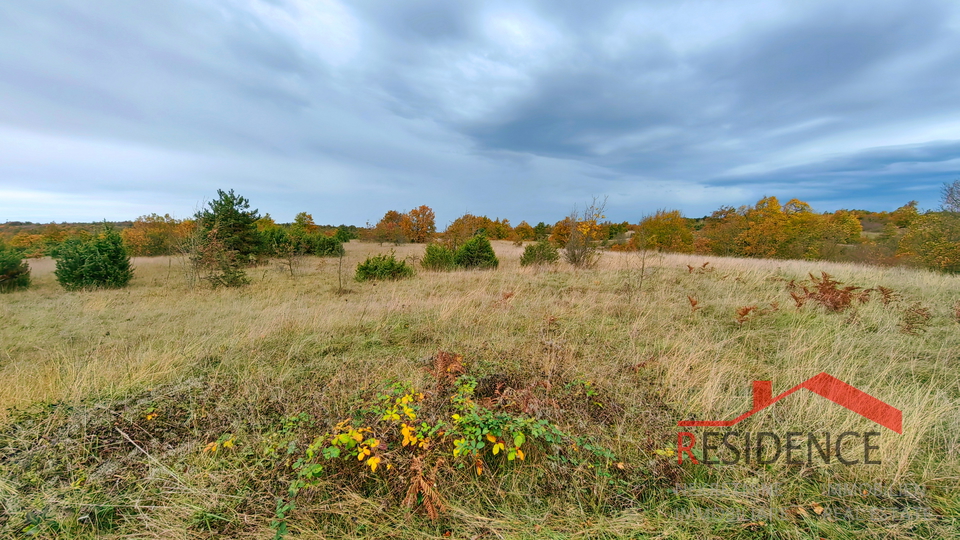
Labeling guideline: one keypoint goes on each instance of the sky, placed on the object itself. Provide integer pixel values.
(521, 110)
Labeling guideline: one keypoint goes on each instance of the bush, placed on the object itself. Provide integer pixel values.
(383, 266)
(14, 271)
(99, 262)
(322, 245)
(476, 253)
(543, 252)
(439, 258)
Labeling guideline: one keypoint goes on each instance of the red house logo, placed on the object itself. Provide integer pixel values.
(824, 385)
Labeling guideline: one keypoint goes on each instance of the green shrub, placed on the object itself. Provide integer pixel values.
(439, 258)
(14, 271)
(99, 262)
(322, 245)
(383, 266)
(543, 252)
(476, 253)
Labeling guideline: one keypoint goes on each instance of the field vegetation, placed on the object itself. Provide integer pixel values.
(535, 401)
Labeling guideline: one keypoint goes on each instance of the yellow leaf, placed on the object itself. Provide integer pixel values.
(228, 443)
(520, 454)
(817, 509)
(491, 438)
(357, 436)
(212, 447)
(373, 462)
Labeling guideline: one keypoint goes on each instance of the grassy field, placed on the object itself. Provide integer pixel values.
(113, 399)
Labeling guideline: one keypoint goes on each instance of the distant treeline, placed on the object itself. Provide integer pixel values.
(767, 229)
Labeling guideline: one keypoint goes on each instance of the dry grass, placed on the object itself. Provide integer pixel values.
(678, 337)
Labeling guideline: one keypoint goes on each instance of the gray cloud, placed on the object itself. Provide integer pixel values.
(517, 109)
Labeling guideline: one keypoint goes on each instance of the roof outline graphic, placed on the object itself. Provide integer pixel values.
(824, 385)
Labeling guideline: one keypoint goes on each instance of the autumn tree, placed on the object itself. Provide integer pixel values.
(390, 228)
(766, 229)
(466, 227)
(904, 216)
(419, 225)
(154, 235)
(721, 232)
(583, 244)
(523, 231)
(664, 231)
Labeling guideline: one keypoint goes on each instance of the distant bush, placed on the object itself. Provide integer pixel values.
(382, 267)
(14, 271)
(439, 258)
(99, 262)
(476, 253)
(543, 252)
(324, 246)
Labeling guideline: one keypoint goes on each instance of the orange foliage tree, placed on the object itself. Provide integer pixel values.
(419, 225)
(665, 230)
(154, 235)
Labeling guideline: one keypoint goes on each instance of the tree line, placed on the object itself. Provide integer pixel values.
(227, 235)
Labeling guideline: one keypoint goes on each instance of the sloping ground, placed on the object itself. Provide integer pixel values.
(509, 404)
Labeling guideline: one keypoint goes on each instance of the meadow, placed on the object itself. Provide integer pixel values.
(171, 410)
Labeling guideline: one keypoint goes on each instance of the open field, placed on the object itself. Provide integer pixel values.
(112, 396)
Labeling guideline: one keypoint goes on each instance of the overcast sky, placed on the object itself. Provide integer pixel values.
(114, 109)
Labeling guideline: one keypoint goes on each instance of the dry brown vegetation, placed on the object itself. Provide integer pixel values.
(590, 350)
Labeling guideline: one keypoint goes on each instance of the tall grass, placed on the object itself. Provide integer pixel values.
(287, 344)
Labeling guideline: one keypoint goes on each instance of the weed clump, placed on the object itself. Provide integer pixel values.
(540, 253)
(383, 267)
(438, 258)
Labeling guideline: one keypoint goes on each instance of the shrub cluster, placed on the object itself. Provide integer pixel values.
(543, 252)
(439, 257)
(14, 271)
(99, 262)
(383, 266)
(476, 253)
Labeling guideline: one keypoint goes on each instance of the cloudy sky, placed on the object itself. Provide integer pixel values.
(521, 109)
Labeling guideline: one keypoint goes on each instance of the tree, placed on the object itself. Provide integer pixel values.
(390, 228)
(476, 253)
(904, 216)
(235, 225)
(950, 200)
(99, 262)
(419, 225)
(14, 271)
(664, 231)
(766, 229)
(933, 241)
(583, 244)
(524, 231)
(154, 235)
(721, 232)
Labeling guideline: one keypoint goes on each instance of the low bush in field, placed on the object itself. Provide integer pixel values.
(476, 253)
(14, 271)
(99, 262)
(543, 252)
(383, 267)
(438, 258)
